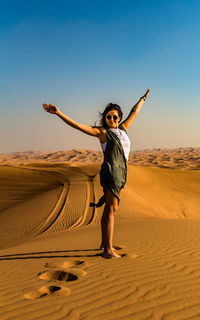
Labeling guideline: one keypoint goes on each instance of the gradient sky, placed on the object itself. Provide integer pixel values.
(80, 55)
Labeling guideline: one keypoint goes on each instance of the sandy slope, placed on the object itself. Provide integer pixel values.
(50, 264)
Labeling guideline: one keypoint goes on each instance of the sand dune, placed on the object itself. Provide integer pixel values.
(50, 263)
(179, 158)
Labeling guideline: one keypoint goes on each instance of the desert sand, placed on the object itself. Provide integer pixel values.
(50, 263)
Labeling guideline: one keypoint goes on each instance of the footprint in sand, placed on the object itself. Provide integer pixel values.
(65, 264)
(59, 275)
(47, 290)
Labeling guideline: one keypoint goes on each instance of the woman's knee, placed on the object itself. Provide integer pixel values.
(111, 202)
(111, 209)
(112, 205)
(114, 209)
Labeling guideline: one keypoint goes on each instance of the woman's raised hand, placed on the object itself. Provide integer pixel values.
(50, 108)
(146, 94)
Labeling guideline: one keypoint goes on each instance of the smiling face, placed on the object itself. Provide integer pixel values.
(112, 119)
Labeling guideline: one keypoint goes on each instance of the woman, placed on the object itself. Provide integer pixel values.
(116, 147)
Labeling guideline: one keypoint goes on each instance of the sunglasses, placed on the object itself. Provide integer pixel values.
(110, 117)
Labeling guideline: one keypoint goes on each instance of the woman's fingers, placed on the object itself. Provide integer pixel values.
(49, 108)
(45, 105)
(147, 93)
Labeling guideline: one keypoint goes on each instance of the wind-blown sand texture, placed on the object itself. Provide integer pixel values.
(50, 264)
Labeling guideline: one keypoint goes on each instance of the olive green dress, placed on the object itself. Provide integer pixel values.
(113, 172)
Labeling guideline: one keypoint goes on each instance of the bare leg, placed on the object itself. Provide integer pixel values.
(103, 230)
(103, 225)
(107, 224)
(103, 235)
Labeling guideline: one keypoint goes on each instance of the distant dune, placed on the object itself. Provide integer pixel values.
(179, 158)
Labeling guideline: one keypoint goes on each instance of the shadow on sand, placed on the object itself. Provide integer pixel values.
(52, 254)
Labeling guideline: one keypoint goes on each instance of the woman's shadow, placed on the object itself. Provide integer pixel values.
(52, 254)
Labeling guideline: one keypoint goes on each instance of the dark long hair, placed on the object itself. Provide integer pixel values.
(109, 107)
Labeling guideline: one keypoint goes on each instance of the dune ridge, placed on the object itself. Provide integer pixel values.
(178, 158)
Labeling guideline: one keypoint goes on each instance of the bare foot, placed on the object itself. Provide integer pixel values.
(110, 255)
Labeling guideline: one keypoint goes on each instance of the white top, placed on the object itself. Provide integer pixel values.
(125, 141)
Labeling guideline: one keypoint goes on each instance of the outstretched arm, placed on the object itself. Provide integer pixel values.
(92, 131)
(134, 111)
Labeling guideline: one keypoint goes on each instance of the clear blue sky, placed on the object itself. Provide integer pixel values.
(83, 54)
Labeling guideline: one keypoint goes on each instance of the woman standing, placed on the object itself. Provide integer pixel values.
(116, 147)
